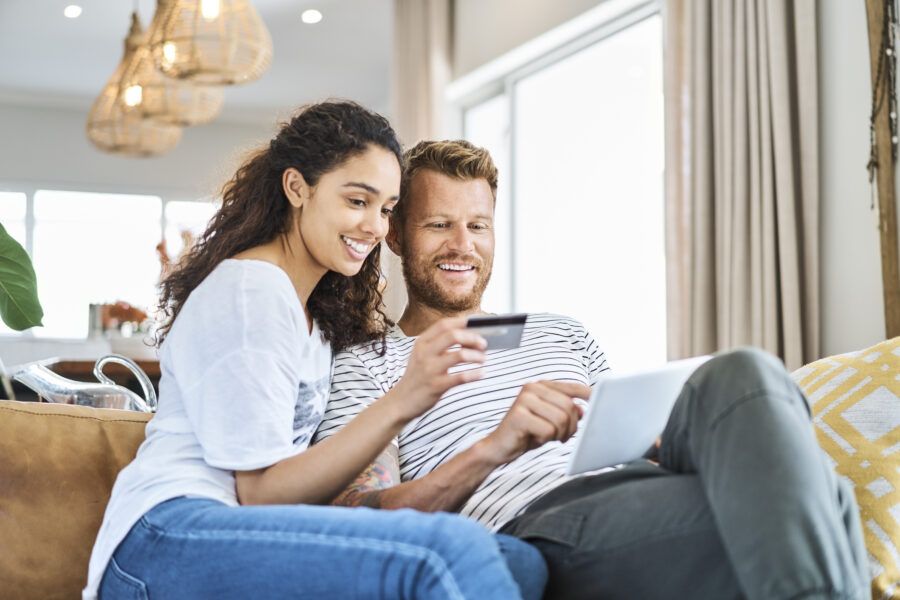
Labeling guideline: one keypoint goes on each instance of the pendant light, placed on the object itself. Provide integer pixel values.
(113, 123)
(210, 41)
(168, 100)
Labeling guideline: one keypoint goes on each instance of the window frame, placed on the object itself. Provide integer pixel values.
(501, 77)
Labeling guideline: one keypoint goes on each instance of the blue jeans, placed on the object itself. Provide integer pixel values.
(199, 548)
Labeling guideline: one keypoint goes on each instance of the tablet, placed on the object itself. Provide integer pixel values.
(626, 414)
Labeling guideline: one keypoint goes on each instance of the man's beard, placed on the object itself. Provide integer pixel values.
(421, 282)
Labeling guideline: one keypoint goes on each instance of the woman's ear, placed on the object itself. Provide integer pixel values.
(295, 187)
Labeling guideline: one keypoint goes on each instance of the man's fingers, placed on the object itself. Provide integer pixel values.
(534, 426)
(550, 412)
(563, 401)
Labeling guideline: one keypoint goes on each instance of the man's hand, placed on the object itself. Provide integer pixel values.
(544, 411)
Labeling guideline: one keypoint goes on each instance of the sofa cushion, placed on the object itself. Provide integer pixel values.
(855, 402)
(57, 466)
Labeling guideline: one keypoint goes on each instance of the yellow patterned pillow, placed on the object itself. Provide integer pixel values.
(855, 402)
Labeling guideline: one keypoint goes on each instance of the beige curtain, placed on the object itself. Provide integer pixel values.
(421, 72)
(742, 177)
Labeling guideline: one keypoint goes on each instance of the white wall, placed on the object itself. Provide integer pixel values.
(852, 304)
(48, 146)
(485, 29)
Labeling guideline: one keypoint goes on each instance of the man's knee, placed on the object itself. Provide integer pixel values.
(748, 361)
(743, 368)
(740, 374)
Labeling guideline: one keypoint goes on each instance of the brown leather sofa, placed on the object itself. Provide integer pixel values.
(57, 467)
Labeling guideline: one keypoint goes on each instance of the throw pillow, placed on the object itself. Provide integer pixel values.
(855, 401)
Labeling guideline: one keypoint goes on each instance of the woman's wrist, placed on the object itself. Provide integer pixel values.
(395, 406)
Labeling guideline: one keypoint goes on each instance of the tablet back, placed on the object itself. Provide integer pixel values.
(627, 413)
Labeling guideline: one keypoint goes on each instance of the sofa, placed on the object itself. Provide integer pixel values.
(58, 464)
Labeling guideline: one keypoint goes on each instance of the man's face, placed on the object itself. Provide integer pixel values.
(447, 242)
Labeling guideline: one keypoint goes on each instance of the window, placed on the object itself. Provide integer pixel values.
(96, 247)
(90, 248)
(12, 217)
(184, 218)
(583, 151)
(487, 125)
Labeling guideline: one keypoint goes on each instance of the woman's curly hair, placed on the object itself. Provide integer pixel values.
(255, 210)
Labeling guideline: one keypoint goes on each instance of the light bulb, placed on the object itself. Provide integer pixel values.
(209, 9)
(169, 52)
(72, 11)
(133, 95)
(311, 16)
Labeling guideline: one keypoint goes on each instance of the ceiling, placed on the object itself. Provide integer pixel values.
(49, 60)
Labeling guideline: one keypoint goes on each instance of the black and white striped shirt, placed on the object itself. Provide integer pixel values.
(553, 347)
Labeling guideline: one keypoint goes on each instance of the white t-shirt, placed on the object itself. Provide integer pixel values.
(553, 347)
(244, 385)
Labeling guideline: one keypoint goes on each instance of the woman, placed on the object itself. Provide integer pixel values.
(217, 502)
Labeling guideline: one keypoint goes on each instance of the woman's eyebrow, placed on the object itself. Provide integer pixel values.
(363, 186)
(368, 188)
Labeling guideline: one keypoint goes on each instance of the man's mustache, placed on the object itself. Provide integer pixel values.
(470, 259)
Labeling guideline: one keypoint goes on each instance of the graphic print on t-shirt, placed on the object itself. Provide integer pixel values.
(311, 400)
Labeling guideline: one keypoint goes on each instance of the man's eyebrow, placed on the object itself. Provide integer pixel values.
(368, 188)
(484, 217)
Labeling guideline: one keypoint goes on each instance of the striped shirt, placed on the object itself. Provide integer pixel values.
(553, 348)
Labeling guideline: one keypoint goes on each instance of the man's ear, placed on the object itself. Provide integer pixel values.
(295, 187)
(393, 238)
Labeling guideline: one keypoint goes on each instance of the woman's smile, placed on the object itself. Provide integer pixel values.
(358, 249)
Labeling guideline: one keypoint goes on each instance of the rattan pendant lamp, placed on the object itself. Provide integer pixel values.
(219, 42)
(113, 124)
(167, 100)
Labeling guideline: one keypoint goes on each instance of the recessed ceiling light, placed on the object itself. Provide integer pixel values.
(311, 16)
(73, 11)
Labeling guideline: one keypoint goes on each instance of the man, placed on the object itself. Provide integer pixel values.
(740, 503)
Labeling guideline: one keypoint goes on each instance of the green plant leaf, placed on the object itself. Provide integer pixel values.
(19, 305)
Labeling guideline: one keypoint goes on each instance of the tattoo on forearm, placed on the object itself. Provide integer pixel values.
(367, 489)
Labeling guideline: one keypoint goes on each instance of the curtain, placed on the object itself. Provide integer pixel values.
(421, 73)
(742, 177)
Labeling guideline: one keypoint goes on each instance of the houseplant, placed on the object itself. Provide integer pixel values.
(19, 305)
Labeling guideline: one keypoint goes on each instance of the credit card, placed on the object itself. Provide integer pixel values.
(502, 332)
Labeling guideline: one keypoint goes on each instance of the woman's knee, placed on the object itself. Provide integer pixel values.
(456, 534)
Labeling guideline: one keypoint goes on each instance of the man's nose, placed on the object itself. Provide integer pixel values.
(461, 240)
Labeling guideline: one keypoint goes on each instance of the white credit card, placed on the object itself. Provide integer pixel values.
(502, 332)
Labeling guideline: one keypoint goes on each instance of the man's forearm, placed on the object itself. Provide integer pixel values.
(447, 488)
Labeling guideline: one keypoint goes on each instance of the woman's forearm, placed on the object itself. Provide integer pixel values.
(322, 471)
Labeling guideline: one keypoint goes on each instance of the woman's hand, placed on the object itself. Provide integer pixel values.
(442, 346)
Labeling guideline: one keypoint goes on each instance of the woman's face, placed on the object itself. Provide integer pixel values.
(347, 213)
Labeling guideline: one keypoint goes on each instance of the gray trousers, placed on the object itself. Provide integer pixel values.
(741, 505)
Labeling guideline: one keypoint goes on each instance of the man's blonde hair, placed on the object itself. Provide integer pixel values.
(458, 159)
